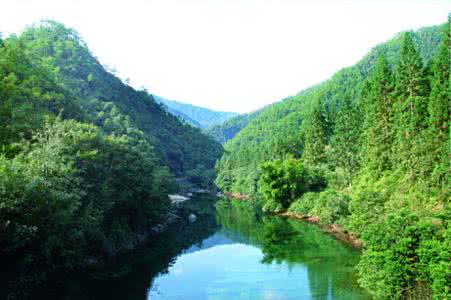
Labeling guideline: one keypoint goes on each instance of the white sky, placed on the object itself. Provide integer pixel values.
(234, 55)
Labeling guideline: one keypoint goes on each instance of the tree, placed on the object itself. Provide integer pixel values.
(378, 135)
(439, 112)
(284, 180)
(314, 136)
(411, 105)
(346, 141)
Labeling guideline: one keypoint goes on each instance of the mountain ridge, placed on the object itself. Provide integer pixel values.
(197, 116)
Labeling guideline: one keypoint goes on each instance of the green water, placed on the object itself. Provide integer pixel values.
(230, 252)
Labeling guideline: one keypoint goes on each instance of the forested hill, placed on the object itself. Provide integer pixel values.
(195, 115)
(109, 101)
(86, 161)
(276, 131)
(181, 116)
(228, 129)
(366, 151)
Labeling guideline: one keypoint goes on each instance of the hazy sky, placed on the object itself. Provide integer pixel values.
(235, 55)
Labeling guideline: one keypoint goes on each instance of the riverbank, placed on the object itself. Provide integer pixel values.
(333, 229)
(337, 231)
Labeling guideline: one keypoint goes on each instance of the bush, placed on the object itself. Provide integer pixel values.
(305, 204)
(406, 257)
(271, 206)
(366, 207)
(329, 206)
(434, 265)
(283, 181)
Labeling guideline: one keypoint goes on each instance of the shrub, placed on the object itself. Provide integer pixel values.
(365, 208)
(331, 206)
(272, 206)
(283, 181)
(403, 256)
(305, 204)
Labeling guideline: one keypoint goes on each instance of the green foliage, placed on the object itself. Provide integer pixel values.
(179, 146)
(275, 131)
(27, 95)
(411, 106)
(408, 255)
(345, 144)
(379, 133)
(314, 129)
(283, 181)
(86, 162)
(305, 204)
(85, 193)
(329, 206)
(366, 207)
(439, 112)
(229, 128)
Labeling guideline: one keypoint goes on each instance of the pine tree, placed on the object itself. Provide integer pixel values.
(411, 106)
(346, 141)
(439, 100)
(439, 111)
(314, 136)
(378, 135)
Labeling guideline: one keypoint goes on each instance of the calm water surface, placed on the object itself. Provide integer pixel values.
(229, 253)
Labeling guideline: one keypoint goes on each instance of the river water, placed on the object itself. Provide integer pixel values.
(230, 253)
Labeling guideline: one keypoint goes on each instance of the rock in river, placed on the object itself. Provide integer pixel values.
(192, 218)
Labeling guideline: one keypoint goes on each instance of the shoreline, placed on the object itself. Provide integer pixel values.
(334, 230)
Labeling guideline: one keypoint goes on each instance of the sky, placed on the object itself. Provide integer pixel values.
(232, 55)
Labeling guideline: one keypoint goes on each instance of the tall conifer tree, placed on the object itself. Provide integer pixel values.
(439, 111)
(346, 141)
(314, 135)
(378, 135)
(411, 105)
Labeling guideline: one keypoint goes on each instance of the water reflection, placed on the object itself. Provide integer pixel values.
(255, 257)
(329, 264)
(231, 252)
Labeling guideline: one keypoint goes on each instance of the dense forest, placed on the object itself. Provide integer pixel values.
(228, 129)
(195, 115)
(366, 151)
(86, 161)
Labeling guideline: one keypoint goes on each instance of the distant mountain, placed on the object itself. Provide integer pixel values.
(195, 115)
(228, 129)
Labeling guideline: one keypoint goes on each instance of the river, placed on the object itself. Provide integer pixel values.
(230, 253)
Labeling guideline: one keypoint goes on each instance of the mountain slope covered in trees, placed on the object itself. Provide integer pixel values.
(368, 151)
(195, 115)
(102, 94)
(86, 161)
(228, 129)
(181, 116)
